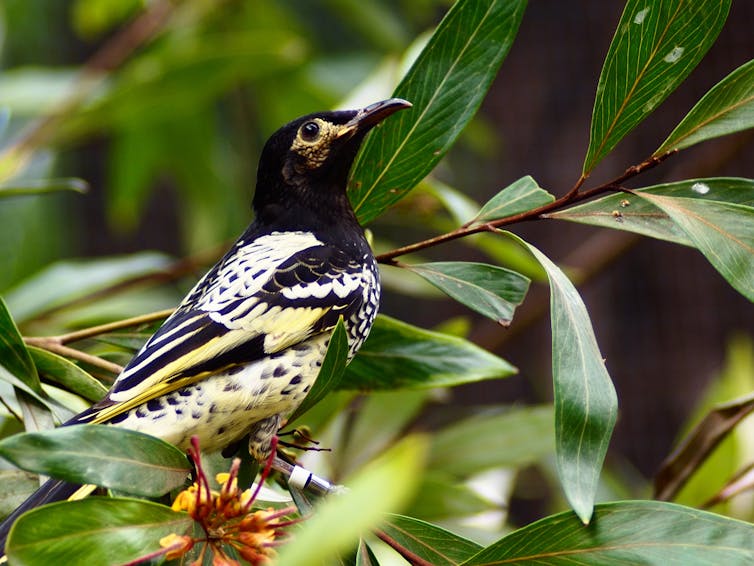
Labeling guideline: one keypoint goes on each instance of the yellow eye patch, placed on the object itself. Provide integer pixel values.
(313, 141)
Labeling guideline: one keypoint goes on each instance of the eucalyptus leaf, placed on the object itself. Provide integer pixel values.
(446, 85)
(586, 405)
(96, 531)
(723, 232)
(627, 532)
(727, 108)
(429, 542)
(521, 196)
(623, 211)
(492, 291)
(331, 372)
(119, 459)
(656, 45)
(398, 355)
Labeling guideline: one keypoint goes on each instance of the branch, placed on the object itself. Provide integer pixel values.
(52, 345)
(56, 344)
(110, 327)
(571, 197)
(413, 559)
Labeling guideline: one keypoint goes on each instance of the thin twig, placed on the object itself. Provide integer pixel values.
(110, 327)
(573, 196)
(52, 345)
(11, 411)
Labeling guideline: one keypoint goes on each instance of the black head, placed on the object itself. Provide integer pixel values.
(304, 166)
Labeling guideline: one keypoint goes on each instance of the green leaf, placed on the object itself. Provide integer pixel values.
(431, 543)
(492, 291)
(622, 211)
(397, 355)
(723, 232)
(656, 45)
(110, 457)
(66, 281)
(628, 532)
(42, 186)
(446, 85)
(331, 372)
(67, 374)
(515, 438)
(15, 361)
(94, 531)
(15, 487)
(340, 521)
(521, 196)
(586, 405)
(728, 107)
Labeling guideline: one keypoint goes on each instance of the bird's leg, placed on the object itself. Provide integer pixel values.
(263, 443)
(267, 468)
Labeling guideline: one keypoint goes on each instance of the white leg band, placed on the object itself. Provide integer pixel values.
(300, 477)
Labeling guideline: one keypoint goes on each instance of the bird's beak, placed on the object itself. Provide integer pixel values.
(368, 117)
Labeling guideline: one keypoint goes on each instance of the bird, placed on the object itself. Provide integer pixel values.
(244, 347)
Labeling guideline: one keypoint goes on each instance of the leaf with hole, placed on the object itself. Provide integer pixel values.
(623, 211)
(727, 108)
(723, 232)
(656, 45)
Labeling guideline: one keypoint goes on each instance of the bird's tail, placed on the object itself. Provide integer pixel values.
(51, 491)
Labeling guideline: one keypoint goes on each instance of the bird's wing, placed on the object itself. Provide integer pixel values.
(263, 297)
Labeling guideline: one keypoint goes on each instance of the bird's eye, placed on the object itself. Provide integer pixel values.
(310, 131)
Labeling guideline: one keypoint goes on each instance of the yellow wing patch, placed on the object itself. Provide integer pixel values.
(282, 328)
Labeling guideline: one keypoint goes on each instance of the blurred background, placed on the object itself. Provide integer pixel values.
(162, 108)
